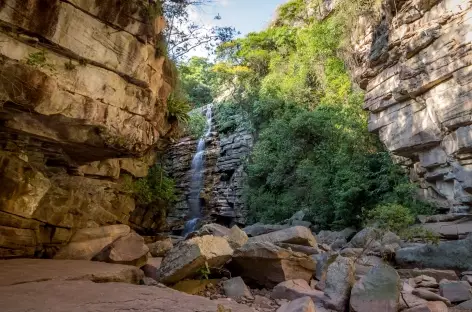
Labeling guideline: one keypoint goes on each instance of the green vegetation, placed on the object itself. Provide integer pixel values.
(196, 125)
(198, 80)
(156, 187)
(38, 59)
(313, 150)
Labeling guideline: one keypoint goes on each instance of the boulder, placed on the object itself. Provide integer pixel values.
(467, 278)
(378, 290)
(88, 242)
(268, 265)
(236, 288)
(340, 278)
(368, 238)
(260, 229)
(236, 237)
(214, 229)
(408, 300)
(129, 249)
(297, 235)
(455, 291)
(425, 281)
(323, 260)
(57, 296)
(329, 237)
(304, 304)
(20, 271)
(365, 263)
(185, 259)
(151, 268)
(453, 255)
(295, 289)
(436, 274)
(467, 305)
(432, 306)
(160, 248)
(430, 296)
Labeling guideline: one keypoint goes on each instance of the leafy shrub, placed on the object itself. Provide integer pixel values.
(391, 217)
(156, 186)
(229, 116)
(178, 107)
(196, 125)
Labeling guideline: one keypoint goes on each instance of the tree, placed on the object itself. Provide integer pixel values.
(182, 35)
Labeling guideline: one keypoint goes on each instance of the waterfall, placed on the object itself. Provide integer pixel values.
(197, 180)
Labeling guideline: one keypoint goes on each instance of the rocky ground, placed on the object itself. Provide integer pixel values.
(260, 268)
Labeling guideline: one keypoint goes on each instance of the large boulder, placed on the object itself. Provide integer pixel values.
(213, 229)
(268, 264)
(330, 237)
(259, 229)
(340, 278)
(129, 249)
(161, 247)
(186, 258)
(455, 291)
(304, 304)
(453, 255)
(88, 242)
(298, 235)
(378, 290)
(236, 237)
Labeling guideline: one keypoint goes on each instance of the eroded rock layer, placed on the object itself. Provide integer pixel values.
(417, 74)
(82, 100)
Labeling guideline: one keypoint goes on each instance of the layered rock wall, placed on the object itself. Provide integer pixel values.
(415, 66)
(82, 100)
(224, 161)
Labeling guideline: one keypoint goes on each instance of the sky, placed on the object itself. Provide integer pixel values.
(245, 15)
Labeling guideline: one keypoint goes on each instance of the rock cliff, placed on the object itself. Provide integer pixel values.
(224, 158)
(83, 94)
(415, 66)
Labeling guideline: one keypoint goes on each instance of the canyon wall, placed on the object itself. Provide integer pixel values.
(224, 161)
(415, 66)
(82, 101)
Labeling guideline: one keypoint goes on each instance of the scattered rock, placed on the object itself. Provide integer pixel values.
(304, 304)
(297, 235)
(148, 281)
(20, 271)
(323, 260)
(236, 288)
(129, 249)
(151, 268)
(263, 302)
(86, 243)
(268, 265)
(430, 296)
(408, 300)
(367, 238)
(194, 287)
(237, 237)
(425, 281)
(378, 290)
(329, 237)
(160, 248)
(294, 289)
(339, 281)
(432, 306)
(185, 259)
(467, 305)
(455, 291)
(467, 278)
(100, 297)
(436, 274)
(260, 229)
(454, 255)
(351, 252)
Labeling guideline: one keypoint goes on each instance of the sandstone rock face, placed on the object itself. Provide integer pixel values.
(77, 296)
(87, 243)
(81, 86)
(453, 255)
(268, 265)
(416, 75)
(298, 235)
(186, 258)
(224, 173)
(379, 290)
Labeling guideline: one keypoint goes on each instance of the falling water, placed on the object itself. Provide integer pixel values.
(196, 183)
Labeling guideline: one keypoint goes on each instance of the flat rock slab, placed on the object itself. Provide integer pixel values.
(75, 296)
(20, 271)
(298, 235)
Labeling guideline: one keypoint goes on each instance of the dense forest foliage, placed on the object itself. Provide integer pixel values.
(313, 150)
